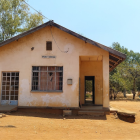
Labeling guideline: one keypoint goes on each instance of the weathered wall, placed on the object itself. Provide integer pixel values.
(92, 69)
(105, 81)
(17, 56)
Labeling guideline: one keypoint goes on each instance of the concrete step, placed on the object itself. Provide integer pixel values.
(14, 109)
(90, 108)
(93, 113)
(2, 115)
(8, 108)
(88, 104)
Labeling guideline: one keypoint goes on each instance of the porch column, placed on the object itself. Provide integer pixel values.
(106, 80)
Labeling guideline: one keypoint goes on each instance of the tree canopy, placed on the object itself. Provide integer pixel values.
(15, 18)
(126, 76)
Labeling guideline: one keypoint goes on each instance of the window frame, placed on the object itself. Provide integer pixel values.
(15, 95)
(32, 90)
(47, 45)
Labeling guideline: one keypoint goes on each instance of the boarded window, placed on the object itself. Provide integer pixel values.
(47, 78)
(49, 45)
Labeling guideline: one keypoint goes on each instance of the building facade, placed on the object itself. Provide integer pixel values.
(48, 67)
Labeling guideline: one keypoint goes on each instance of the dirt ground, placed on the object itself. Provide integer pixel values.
(37, 126)
(120, 96)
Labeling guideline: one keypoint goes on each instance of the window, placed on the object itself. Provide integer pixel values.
(10, 85)
(49, 45)
(47, 78)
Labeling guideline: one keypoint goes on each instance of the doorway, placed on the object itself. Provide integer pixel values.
(10, 86)
(89, 89)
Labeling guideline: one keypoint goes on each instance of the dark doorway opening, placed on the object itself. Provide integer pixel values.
(89, 89)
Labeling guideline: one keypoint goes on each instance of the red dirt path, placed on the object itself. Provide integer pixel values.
(37, 126)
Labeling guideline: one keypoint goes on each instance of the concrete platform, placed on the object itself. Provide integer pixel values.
(94, 113)
(122, 111)
(93, 110)
(124, 114)
(7, 108)
(113, 110)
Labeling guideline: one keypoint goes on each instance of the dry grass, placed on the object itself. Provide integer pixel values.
(120, 96)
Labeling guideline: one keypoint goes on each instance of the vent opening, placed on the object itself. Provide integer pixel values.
(49, 46)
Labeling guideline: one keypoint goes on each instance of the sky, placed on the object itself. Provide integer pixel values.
(104, 21)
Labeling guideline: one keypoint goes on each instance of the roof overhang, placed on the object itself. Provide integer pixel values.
(114, 60)
(115, 57)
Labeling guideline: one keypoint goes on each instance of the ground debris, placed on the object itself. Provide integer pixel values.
(115, 115)
(9, 126)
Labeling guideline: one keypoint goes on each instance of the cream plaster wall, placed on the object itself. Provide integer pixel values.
(92, 69)
(17, 56)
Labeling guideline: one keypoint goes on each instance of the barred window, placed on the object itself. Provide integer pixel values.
(47, 78)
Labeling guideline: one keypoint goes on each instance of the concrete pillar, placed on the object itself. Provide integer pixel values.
(106, 80)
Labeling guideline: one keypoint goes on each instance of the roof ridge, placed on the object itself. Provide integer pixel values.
(52, 23)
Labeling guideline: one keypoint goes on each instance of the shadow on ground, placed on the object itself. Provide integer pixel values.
(126, 99)
(56, 116)
(8, 126)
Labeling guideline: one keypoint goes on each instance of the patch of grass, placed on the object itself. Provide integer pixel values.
(88, 95)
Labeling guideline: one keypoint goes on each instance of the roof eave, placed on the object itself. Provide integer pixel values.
(123, 56)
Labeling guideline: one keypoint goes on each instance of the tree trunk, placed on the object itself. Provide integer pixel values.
(134, 96)
(124, 93)
(115, 95)
(134, 92)
(110, 94)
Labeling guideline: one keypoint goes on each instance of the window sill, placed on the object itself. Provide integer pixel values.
(53, 91)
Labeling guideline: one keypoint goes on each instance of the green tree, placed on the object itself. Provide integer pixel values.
(88, 85)
(134, 71)
(15, 18)
(119, 80)
(126, 76)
